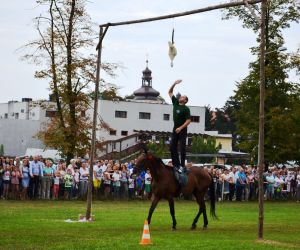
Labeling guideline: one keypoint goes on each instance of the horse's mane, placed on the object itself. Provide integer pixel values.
(160, 162)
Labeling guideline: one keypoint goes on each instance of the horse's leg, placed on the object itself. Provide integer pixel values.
(172, 212)
(205, 221)
(152, 208)
(198, 199)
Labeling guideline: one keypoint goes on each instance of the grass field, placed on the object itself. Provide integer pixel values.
(119, 225)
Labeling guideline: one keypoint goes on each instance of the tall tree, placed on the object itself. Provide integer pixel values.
(281, 94)
(66, 35)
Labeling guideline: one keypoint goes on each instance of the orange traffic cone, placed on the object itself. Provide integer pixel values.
(146, 235)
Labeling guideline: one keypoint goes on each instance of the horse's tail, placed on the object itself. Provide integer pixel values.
(212, 195)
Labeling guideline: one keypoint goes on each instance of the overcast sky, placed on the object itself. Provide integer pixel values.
(212, 53)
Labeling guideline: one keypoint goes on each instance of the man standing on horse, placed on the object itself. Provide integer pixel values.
(182, 118)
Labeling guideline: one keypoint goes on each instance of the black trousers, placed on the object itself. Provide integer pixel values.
(34, 187)
(181, 139)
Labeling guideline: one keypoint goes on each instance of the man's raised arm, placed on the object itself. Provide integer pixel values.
(172, 87)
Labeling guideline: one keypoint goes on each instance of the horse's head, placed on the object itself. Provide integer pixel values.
(144, 162)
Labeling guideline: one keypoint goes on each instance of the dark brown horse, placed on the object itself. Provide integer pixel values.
(165, 186)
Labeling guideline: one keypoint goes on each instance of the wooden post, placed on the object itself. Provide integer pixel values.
(93, 141)
(261, 141)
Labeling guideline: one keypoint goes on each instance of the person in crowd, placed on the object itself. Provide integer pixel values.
(225, 177)
(96, 178)
(56, 184)
(232, 182)
(298, 186)
(107, 176)
(68, 180)
(148, 180)
(25, 178)
(116, 181)
(84, 176)
(251, 181)
(6, 181)
(62, 173)
(1, 176)
(131, 186)
(270, 186)
(16, 175)
(240, 184)
(75, 187)
(36, 173)
(47, 180)
(124, 182)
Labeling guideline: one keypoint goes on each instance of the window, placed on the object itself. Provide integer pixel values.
(113, 132)
(144, 115)
(16, 115)
(49, 113)
(166, 117)
(22, 110)
(124, 133)
(121, 114)
(195, 119)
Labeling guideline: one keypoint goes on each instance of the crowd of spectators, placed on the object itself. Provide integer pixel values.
(240, 183)
(38, 178)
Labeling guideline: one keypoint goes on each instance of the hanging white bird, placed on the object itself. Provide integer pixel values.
(172, 52)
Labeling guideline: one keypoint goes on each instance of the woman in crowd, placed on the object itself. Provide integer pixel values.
(15, 182)
(124, 182)
(84, 176)
(25, 178)
(48, 173)
(116, 181)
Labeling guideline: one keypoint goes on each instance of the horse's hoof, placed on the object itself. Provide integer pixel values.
(204, 227)
(193, 227)
(173, 228)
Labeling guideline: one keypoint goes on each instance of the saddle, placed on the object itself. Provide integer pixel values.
(181, 178)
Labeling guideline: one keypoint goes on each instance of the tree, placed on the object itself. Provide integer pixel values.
(281, 94)
(159, 149)
(65, 35)
(204, 146)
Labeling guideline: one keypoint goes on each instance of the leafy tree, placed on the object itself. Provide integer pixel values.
(281, 94)
(201, 145)
(159, 149)
(65, 35)
(208, 118)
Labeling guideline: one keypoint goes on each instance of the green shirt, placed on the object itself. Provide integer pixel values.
(181, 113)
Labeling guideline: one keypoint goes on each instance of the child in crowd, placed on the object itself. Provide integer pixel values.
(68, 178)
(56, 185)
(148, 180)
(6, 181)
(131, 187)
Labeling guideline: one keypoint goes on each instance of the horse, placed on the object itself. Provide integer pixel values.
(165, 186)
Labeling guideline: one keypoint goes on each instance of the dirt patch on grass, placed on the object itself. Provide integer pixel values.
(278, 243)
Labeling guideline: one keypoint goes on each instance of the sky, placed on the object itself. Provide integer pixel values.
(212, 54)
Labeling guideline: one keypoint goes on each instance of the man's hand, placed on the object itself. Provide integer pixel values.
(177, 130)
(178, 81)
(172, 87)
